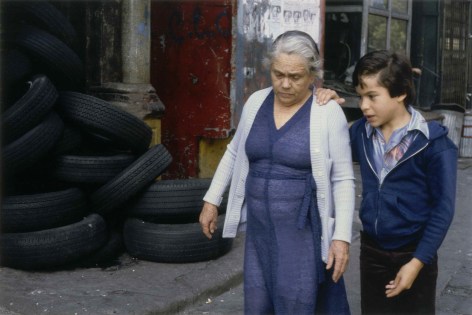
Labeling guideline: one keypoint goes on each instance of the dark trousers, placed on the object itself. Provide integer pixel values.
(379, 267)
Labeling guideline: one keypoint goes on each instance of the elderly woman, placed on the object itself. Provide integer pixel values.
(292, 189)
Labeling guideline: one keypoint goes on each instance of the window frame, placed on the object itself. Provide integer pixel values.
(389, 14)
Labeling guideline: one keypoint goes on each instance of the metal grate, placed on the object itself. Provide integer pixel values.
(454, 51)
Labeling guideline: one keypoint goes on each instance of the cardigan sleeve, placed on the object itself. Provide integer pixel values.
(225, 168)
(342, 174)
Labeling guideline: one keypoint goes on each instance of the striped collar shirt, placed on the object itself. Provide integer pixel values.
(387, 154)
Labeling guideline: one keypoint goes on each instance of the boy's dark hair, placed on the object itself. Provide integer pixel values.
(395, 73)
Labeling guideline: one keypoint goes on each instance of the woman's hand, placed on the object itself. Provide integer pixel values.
(338, 256)
(323, 96)
(405, 278)
(208, 218)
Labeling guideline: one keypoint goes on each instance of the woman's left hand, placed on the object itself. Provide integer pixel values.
(338, 256)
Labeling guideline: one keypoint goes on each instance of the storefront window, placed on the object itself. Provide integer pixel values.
(388, 25)
(400, 6)
(379, 4)
(398, 36)
(377, 32)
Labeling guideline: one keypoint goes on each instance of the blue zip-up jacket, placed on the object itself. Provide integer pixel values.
(415, 202)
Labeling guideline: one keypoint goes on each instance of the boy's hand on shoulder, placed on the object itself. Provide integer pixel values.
(405, 278)
(323, 96)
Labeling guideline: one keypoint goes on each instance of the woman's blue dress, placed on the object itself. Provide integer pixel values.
(283, 270)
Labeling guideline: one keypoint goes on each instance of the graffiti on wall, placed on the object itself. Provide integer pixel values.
(259, 23)
(179, 32)
(266, 19)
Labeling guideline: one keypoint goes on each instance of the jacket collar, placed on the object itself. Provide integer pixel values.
(417, 122)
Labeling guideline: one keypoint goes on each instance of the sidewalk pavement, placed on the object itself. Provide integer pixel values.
(141, 287)
(454, 287)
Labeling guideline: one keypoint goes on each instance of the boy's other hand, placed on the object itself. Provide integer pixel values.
(405, 278)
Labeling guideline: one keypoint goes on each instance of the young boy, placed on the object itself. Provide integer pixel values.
(408, 169)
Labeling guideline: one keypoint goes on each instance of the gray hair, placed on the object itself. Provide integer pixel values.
(297, 43)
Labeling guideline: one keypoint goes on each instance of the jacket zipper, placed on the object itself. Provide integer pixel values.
(378, 179)
(381, 182)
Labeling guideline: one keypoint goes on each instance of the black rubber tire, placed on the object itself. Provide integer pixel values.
(28, 213)
(53, 57)
(33, 145)
(29, 110)
(173, 243)
(91, 169)
(107, 255)
(15, 69)
(172, 201)
(95, 115)
(43, 15)
(37, 180)
(54, 247)
(69, 142)
(131, 180)
(95, 144)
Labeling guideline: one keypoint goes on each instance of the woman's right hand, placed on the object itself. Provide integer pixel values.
(208, 218)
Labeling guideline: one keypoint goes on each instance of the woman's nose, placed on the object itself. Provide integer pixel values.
(286, 82)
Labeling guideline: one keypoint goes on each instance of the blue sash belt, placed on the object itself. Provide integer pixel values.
(308, 211)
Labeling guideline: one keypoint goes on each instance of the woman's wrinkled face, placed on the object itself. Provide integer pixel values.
(291, 79)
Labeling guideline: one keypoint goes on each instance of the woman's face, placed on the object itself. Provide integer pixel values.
(290, 79)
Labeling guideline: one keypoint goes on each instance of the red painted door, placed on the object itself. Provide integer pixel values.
(191, 72)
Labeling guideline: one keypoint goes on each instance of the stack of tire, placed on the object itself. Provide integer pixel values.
(162, 224)
(73, 165)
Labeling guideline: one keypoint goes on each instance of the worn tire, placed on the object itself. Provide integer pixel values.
(15, 69)
(33, 145)
(43, 15)
(69, 142)
(52, 248)
(97, 116)
(105, 255)
(36, 180)
(53, 57)
(172, 201)
(131, 180)
(28, 213)
(90, 169)
(173, 243)
(30, 109)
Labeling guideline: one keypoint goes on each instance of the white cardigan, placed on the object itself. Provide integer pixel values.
(331, 162)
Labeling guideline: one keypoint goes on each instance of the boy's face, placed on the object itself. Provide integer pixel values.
(376, 103)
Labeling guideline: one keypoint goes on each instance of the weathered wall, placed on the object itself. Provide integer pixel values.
(103, 41)
(204, 70)
(191, 70)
